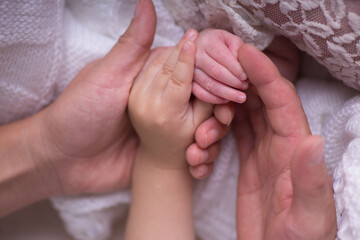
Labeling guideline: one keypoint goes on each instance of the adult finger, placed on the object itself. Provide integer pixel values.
(202, 171)
(128, 55)
(282, 105)
(209, 132)
(312, 193)
(196, 155)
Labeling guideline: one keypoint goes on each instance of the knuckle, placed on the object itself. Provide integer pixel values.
(157, 62)
(176, 80)
(167, 69)
(129, 39)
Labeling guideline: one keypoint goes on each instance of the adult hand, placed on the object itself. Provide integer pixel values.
(202, 153)
(88, 134)
(284, 190)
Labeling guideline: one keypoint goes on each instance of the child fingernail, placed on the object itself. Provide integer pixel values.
(244, 85)
(241, 98)
(243, 76)
(191, 35)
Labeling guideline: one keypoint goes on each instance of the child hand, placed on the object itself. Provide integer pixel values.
(218, 73)
(160, 108)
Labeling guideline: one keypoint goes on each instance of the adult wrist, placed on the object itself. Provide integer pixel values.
(27, 175)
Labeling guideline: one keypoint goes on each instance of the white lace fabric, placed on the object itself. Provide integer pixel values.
(328, 30)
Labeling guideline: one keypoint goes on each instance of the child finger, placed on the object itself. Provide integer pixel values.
(196, 156)
(282, 104)
(202, 111)
(217, 70)
(202, 171)
(210, 132)
(205, 80)
(167, 67)
(205, 95)
(219, 89)
(226, 55)
(178, 89)
(224, 113)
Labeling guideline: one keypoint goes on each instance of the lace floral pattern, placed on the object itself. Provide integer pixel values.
(328, 30)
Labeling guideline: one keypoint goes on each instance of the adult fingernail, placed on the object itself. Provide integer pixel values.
(317, 153)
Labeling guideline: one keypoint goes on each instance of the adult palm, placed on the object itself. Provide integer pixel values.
(283, 189)
(88, 127)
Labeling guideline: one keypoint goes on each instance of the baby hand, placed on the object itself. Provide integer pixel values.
(218, 73)
(160, 108)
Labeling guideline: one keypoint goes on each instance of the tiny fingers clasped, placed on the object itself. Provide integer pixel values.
(160, 106)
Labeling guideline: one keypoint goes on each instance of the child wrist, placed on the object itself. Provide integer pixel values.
(161, 158)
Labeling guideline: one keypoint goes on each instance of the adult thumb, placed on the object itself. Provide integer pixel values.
(128, 55)
(313, 201)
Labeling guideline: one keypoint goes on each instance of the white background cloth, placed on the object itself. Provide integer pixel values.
(44, 43)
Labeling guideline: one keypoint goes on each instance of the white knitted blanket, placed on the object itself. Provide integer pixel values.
(43, 44)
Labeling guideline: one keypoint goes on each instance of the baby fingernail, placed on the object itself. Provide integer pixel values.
(241, 98)
(243, 76)
(191, 35)
(244, 85)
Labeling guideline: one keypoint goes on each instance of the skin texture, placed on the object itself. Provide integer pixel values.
(283, 189)
(283, 54)
(88, 127)
(165, 119)
(83, 142)
(218, 75)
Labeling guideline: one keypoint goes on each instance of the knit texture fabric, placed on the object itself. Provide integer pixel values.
(91, 28)
(31, 46)
(43, 44)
